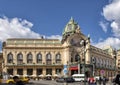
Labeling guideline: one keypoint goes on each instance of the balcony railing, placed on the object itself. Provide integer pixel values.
(34, 64)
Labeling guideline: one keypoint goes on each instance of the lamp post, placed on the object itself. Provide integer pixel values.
(79, 65)
(83, 42)
(93, 62)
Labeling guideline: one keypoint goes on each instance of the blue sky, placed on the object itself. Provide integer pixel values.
(33, 18)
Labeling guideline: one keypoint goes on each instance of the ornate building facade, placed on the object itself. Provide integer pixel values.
(1, 61)
(73, 54)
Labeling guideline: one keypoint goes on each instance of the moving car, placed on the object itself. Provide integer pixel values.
(23, 79)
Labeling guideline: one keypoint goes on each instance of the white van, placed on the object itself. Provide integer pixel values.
(78, 77)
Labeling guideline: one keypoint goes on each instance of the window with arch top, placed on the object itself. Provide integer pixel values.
(29, 58)
(58, 58)
(10, 58)
(39, 58)
(77, 58)
(48, 59)
(20, 58)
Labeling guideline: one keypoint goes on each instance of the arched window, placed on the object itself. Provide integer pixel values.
(29, 58)
(58, 58)
(77, 58)
(48, 59)
(10, 58)
(20, 58)
(39, 58)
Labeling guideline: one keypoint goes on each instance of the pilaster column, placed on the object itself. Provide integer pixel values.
(43, 57)
(25, 57)
(34, 56)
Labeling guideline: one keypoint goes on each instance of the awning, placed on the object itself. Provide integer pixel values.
(74, 68)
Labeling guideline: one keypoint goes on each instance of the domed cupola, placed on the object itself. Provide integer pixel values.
(71, 28)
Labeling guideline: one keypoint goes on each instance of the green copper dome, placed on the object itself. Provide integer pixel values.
(70, 27)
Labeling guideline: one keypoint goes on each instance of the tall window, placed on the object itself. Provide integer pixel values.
(10, 71)
(20, 58)
(39, 58)
(77, 58)
(20, 71)
(48, 59)
(30, 71)
(29, 58)
(58, 58)
(10, 58)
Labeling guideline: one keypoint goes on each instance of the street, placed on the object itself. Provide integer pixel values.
(52, 82)
(47, 82)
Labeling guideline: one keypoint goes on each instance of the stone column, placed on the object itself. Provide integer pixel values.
(44, 71)
(87, 53)
(53, 57)
(53, 71)
(34, 71)
(24, 71)
(14, 71)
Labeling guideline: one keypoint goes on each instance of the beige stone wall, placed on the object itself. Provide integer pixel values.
(66, 50)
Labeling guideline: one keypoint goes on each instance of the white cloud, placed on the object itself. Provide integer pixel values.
(111, 41)
(16, 28)
(104, 25)
(111, 13)
(54, 37)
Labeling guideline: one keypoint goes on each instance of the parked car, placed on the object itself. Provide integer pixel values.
(48, 78)
(116, 80)
(65, 79)
(69, 80)
(60, 80)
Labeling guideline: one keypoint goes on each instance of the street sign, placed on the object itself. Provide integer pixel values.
(102, 71)
(65, 69)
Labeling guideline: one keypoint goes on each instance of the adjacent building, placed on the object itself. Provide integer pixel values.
(73, 54)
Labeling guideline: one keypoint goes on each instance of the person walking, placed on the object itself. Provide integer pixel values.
(104, 80)
(17, 81)
(100, 80)
(91, 81)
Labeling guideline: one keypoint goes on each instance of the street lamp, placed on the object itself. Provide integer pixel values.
(84, 43)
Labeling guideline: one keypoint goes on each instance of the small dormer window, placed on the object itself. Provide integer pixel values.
(69, 27)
